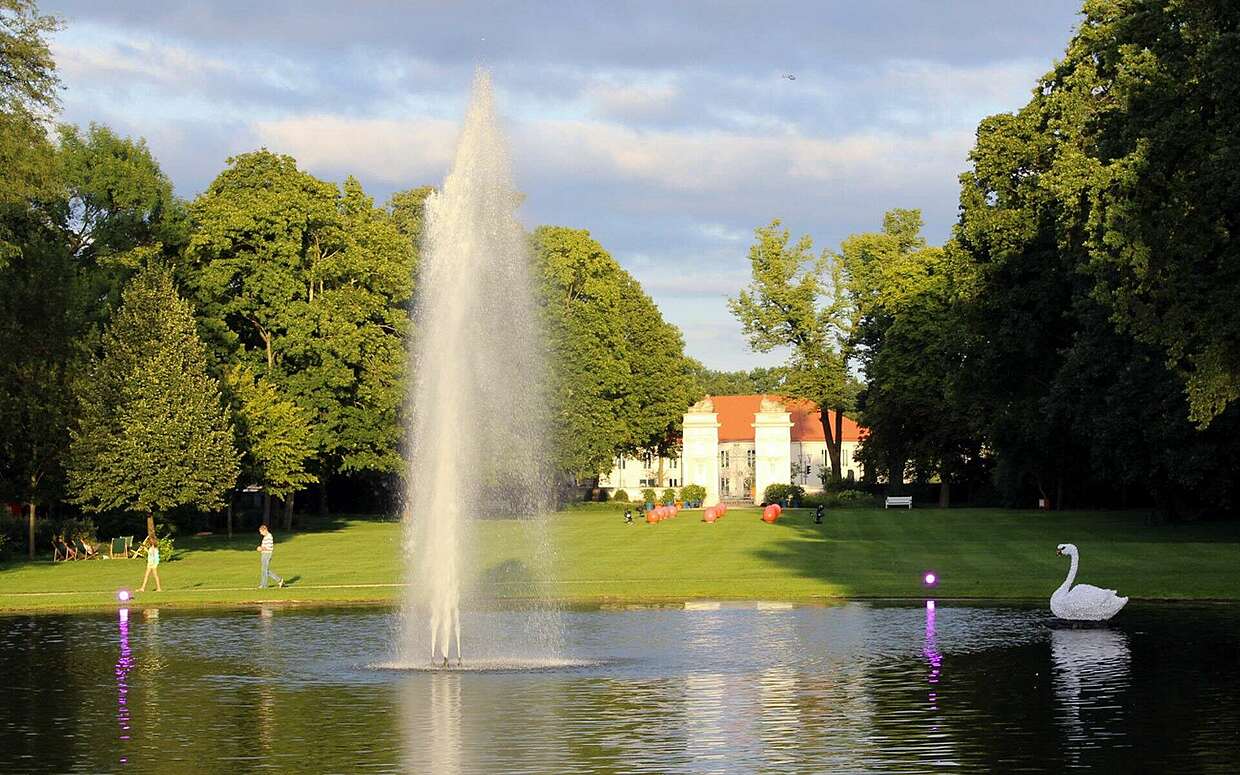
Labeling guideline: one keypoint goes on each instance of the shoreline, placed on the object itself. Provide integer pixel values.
(568, 604)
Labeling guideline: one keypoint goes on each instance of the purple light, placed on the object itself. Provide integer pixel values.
(929, 605)
(930, 579)
(123, 596)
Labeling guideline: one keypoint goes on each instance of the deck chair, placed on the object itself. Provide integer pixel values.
(85, 551)
(119, 548)
(136, 550)
(61, 551)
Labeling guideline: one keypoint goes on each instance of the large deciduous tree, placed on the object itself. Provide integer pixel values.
(308, 286)
(1070, 392)
(28, 102)
(153, 433)
(903, 299)
(275, 435)
(620, 383)
(792, 302)
(1148, 103)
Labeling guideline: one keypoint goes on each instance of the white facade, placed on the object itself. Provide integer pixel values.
(737, 469)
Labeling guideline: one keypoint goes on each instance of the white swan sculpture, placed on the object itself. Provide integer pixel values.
(1084, 602)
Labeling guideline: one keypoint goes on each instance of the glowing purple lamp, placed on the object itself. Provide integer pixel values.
(930, 579)
(123, 596)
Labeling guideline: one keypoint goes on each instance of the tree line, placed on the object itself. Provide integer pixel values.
(1077, 340)
(159, 354)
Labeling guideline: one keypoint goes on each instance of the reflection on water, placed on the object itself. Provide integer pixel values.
(123, 663)
(1091, 675)
(852, 688)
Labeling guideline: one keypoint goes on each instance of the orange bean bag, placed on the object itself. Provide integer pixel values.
(710, 515)
(770, 514)
(651, 518)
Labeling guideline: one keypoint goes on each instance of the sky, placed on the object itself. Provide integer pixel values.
(669, 130)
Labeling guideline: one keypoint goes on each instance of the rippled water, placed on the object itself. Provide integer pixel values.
(852, 688)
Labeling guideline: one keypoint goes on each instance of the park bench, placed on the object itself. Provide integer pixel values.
(899, 500)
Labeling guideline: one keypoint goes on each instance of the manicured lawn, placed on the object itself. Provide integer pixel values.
(979, 553)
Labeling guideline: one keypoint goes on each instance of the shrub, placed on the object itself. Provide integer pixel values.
(164, 534)
(780, 493)
(855, 499)
(648, 495)
(669, 497)
(816, 499)
(693, 493)
(620, 495)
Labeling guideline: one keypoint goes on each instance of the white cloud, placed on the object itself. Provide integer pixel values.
(396, 152)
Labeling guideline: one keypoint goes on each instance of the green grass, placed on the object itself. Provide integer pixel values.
(863, 553)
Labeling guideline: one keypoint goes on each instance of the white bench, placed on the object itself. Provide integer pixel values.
(899, 500)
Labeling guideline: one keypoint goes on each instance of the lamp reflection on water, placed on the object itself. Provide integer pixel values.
(930, 650)
(123, 664)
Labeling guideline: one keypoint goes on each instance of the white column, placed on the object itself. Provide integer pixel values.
(772, 442)
(701, 449)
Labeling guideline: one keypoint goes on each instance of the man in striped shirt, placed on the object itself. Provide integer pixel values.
(265, 549)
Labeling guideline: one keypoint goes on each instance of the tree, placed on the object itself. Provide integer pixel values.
(105, 210)
(153, 434)
(792, 303)
(708, 382)
(408, 211)
(309, 287)
(620, 383)
(274, 433)
(28, 101)
(40, 321)
(1069, 394)
(903, 298)
(1150, 106)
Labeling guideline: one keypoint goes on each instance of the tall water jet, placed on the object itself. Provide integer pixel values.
(476, 447)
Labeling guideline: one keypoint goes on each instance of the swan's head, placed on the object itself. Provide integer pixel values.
(1066, 550)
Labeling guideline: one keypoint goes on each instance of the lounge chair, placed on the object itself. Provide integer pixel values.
(85, 551)
(120, 547)
(62, 551)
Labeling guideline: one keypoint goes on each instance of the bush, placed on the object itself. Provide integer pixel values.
(815, 499)
(620, 495)
(669, 497)
(780, 493)
(693, 493)
(844, 499)
(855, 499)
(648, 495)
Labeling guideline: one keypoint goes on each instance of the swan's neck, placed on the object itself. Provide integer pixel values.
(1067, 583)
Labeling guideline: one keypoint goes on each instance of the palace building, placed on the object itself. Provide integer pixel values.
(735, 446)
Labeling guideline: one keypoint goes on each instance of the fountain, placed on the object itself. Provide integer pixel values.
(477, 435)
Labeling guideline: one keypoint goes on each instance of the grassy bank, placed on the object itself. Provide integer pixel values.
(979, 553)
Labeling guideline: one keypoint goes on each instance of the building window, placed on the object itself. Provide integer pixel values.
(751, 458)
(723, 458)
(672, 483)
(649, 459)
(846, 456)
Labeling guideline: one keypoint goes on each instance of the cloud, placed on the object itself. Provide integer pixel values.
(664, 128)
(398, 153)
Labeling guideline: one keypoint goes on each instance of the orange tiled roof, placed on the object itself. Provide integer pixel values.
(736, 418)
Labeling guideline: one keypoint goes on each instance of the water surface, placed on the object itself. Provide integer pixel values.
(856, 688)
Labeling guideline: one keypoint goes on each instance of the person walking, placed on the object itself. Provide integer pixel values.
(152, 563)
(265, 549)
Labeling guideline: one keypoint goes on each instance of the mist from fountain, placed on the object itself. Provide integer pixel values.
(477, 446)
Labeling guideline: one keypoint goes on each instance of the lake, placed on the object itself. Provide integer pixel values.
(858, 687)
